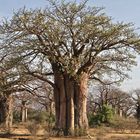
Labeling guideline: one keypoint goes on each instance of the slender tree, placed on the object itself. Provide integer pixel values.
(75, 43)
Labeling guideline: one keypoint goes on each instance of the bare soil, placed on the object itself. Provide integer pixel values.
(22, 133)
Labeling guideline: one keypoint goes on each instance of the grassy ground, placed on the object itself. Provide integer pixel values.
(103, 133)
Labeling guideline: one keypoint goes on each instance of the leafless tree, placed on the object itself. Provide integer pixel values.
(110, 95)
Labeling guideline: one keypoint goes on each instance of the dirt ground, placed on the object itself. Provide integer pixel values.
(22, 133)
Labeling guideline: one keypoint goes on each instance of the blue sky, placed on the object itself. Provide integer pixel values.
(119, 10)
(127, 11)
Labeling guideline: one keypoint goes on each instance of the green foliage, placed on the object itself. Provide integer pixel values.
(80, 131)
(103, 116)
(93, 120)
(41, 116)
(50, 118)
(106, 114)
(69, 36)
(16, 116)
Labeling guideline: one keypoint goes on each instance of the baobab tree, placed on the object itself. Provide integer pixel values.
(8, 85)
(11, 81)
(75, 44)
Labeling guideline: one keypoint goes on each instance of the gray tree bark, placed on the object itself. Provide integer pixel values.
(6, 110)
(70, 98)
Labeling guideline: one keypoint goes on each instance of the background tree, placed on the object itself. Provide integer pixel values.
(109, 95)
(110, 105)
(76, 43)
(21, 103)
(136, 98)
(43, 95)
(10, 82)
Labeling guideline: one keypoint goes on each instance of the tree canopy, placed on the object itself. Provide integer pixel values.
(78, 38)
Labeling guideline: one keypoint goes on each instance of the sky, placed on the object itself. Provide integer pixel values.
(126, 11)
(119, 10)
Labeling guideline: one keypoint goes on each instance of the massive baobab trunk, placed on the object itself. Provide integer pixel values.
(6, 110)
(80, 97)
(70, 96)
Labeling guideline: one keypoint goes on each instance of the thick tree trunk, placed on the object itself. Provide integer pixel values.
(70, 98)
(6, 110)
(60, 102)
(81, 102)
(69, 95)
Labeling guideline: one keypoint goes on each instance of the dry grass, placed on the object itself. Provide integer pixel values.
(4, 139)
(103, 133)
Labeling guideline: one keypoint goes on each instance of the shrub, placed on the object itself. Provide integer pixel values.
(41, 117)
(122, 124)
(106, 114)
(16, 116)
(33, 128)
(80, 131)
(103, 116)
